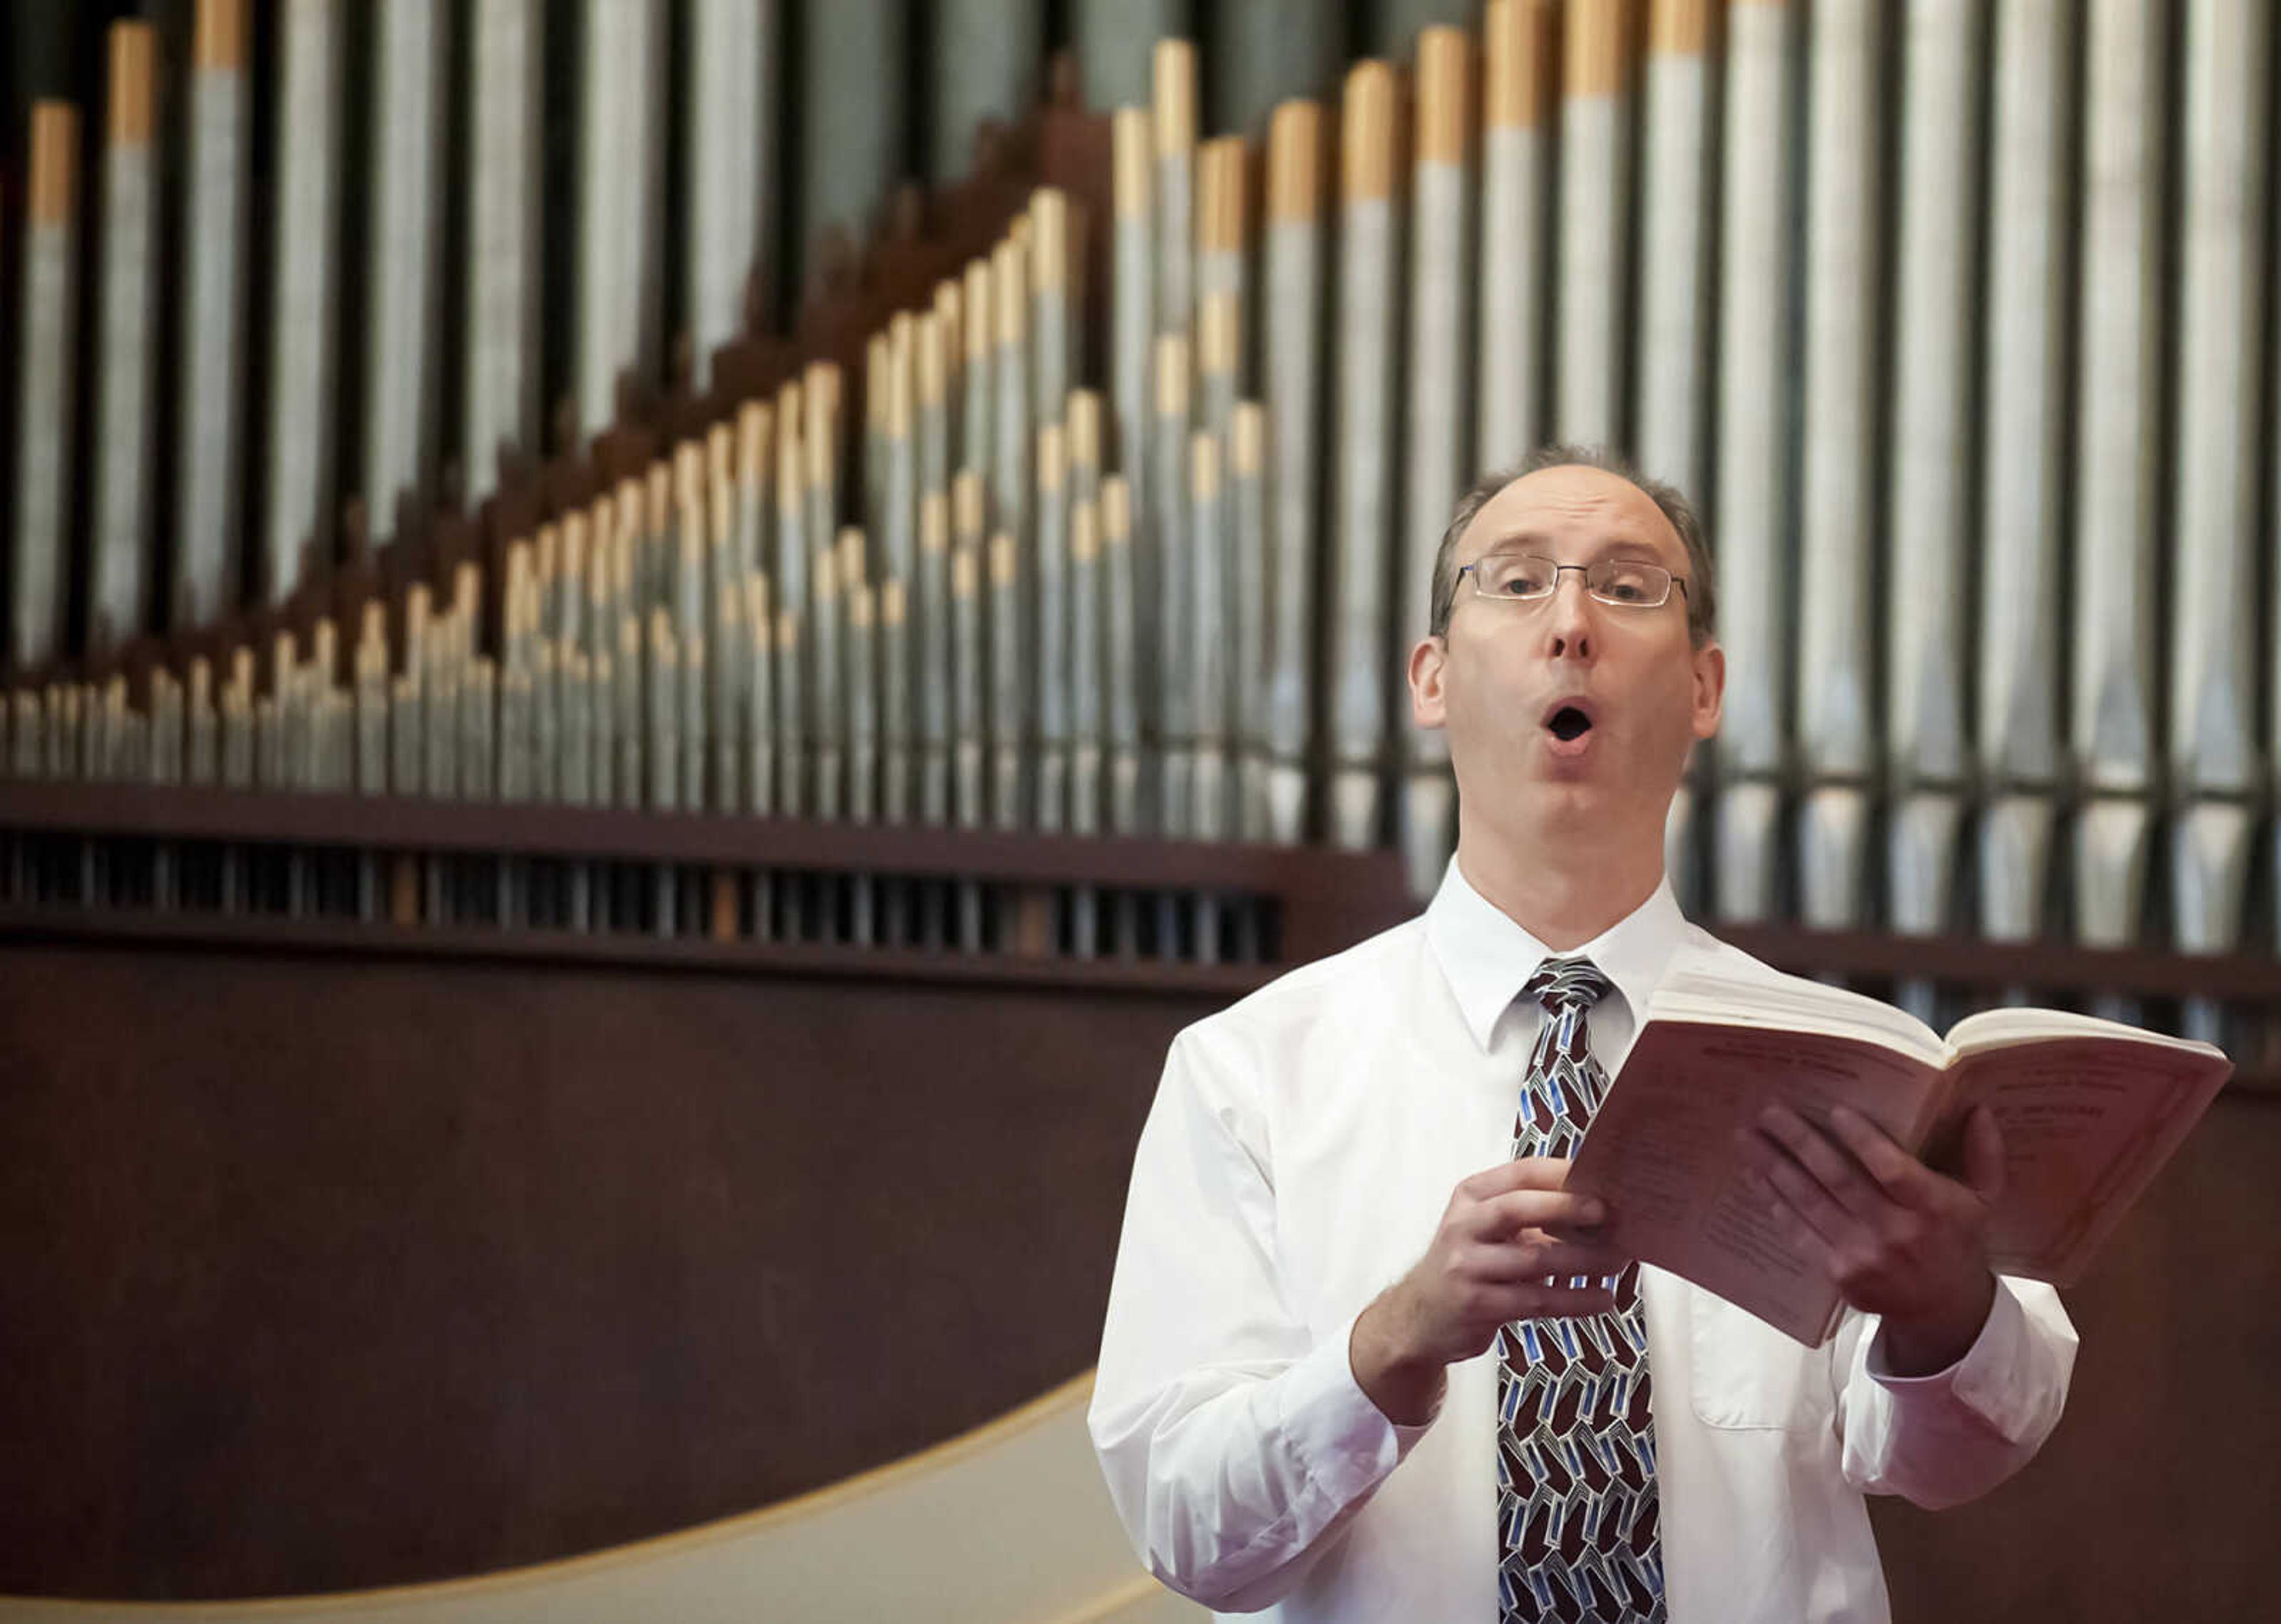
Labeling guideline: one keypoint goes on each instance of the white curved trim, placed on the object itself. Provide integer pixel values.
(1006, 1523)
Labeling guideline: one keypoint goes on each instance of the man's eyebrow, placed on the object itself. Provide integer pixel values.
(1635, 544)
(1519, 541)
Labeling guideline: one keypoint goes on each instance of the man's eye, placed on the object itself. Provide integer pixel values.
(1521, 582)
(1625, 586)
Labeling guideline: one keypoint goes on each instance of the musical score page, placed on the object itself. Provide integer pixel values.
(1662, 1154)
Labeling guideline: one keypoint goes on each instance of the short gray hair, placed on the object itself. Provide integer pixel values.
(1701, 604)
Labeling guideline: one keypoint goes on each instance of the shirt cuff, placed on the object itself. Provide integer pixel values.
(1343, 1441)
(1987, 1380)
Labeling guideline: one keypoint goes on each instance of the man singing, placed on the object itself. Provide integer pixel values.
(1366, 1360)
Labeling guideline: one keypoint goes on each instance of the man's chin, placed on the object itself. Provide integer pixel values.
(1586, 802)
(1577, 803)
(1593, 773)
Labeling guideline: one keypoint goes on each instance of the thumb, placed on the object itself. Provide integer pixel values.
(1983, 1155)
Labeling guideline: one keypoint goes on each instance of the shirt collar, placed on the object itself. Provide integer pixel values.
(1487, 957)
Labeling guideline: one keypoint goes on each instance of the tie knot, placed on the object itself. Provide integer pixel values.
(1567, 984)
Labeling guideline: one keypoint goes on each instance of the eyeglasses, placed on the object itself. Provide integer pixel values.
(1523, 577)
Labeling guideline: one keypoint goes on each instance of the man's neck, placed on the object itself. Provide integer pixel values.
(1561, 893)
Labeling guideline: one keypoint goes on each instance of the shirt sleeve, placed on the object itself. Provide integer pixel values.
(1948, 1437)
(1236, 1444)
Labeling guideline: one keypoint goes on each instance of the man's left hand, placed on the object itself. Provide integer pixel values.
(1898, 1239)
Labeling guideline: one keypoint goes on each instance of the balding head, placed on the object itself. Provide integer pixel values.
(1676, 510)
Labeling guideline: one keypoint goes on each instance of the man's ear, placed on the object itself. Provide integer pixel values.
(1710, 689)
(1428, 662)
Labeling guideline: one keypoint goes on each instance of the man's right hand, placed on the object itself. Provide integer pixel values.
(1507, 1232)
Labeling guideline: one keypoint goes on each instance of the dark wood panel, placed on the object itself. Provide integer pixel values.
(2157, 1497)
(329, 1272)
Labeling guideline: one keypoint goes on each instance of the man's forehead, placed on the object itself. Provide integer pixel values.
(1571, 500)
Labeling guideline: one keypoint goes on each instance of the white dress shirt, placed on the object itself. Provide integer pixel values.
(1301, 1148)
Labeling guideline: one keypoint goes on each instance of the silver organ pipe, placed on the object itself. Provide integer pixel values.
(1836, 507)
(1671, 415)
(1133, 312)
(1671, 357)
(1115, 41)
(1172, 112)
(733, 52)
(1250, 618)
(2113, 723)
(989, 57)
(209, 403)
(619, 194)
(1218, 346)
(2017, 729)
(1596, 119)
(1362, 505)
(1088, 675)
(2215, 765)
(1049, 675)
(1168, 634)
(1515, 241)
(38, 582)
(403, 240)
(1434, 427)
(1267, 52)
(499, 365)
(118, 588)
(1391, 28)
(1294, 291)
(1750, 511)
(1927, 507)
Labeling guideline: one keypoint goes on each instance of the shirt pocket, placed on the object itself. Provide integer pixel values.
(1749, 1376)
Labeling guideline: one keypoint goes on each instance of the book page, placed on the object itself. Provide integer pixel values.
(2011, 1024)
(1661, 1153)
(1696, 993)
(2087, 1121)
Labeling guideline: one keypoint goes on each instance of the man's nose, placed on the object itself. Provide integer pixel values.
(1568, 619)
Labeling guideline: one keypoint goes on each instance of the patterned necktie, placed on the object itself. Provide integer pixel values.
(1576, 1495)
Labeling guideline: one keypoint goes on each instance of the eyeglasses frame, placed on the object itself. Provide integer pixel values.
(1558, 569)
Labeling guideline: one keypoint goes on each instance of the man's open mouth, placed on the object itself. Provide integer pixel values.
(1568, 723)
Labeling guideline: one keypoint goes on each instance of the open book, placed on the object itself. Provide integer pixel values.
(2090, 1110)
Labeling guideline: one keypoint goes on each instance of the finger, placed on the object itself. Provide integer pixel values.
(1507, 1215)
(1543, 1301)
(1516, 1264)
(1983, 1155)
(1526, 1173)
(1904, 1178)
(1828, 1165)
(1802, 1235)
(1763, 1156)
(1791, 1190)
